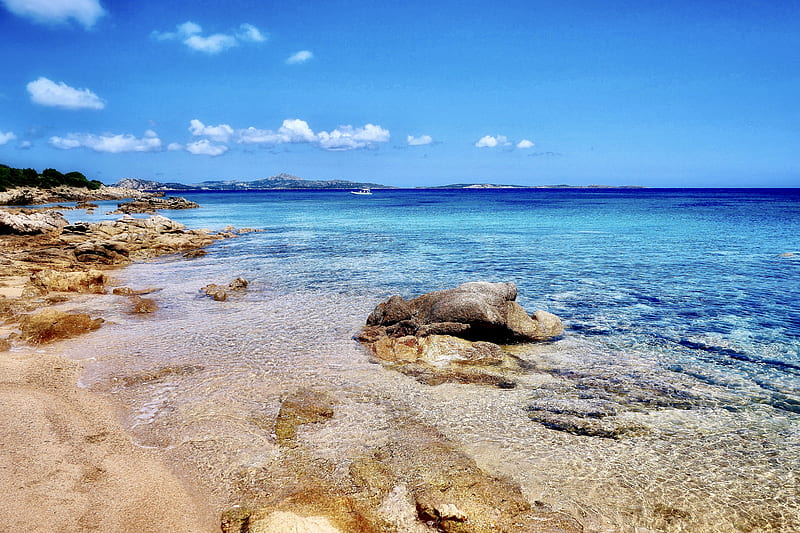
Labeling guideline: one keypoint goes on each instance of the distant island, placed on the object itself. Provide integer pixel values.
(288, 181)
(280, 181)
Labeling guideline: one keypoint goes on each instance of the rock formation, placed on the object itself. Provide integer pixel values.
(30, 222)
(455, 335)
(50, 325)
(150, 205)
(35, 195)
(57, 258)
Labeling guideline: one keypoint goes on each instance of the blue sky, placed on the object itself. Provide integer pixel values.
(405, 93)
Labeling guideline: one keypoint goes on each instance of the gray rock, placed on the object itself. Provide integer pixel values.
(476, 311)
(31, 223)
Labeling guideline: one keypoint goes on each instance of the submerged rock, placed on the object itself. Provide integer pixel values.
(141, 305)
(220, 292)
(306, 406)
(434, 336)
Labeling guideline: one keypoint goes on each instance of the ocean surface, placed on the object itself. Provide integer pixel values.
(682, 315)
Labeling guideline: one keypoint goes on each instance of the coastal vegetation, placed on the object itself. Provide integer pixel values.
(49, 178)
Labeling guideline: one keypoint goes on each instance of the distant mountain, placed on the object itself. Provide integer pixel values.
(281, 181)
(149, 185)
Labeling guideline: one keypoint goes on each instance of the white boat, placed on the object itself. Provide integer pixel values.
(362, 192)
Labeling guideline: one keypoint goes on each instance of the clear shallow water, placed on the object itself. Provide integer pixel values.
(681, 313)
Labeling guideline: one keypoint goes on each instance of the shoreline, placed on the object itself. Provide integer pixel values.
(67, 462)
(399, 483)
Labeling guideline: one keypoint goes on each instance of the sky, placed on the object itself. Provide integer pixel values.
(414, 93)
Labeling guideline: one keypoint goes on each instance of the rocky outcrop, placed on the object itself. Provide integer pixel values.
(29, 222)
(51, 325)
(150, 205)
(35, 196)
(115, 242)
(89, 281)
(455, 335)
(473, 311)
(56, 258)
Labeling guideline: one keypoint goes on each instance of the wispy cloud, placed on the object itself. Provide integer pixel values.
(109, 143)
(248, 32)
(6, 137)
(300, 57)
(422, 140)
(85, 12)
(49, 93)
(191, 34)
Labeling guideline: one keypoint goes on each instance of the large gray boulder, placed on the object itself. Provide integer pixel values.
(475, 311)
(31, 222)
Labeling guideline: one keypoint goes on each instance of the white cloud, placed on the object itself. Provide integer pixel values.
(293, 130)
(6, 137)
(350, 138)
(213, 44)
(86, 12)
(190, 34)
(298, 131)
(174, 147)
(299, 57)
(422, 140)
(49, 93)
(114, 144)
(488, 141)
(204, 147)
(248, 32)
(220, 133)
(525, 143)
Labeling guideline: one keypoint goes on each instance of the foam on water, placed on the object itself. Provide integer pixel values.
(682, 324)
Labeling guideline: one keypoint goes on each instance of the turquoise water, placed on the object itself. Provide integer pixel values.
(698, 276)
(681, 313)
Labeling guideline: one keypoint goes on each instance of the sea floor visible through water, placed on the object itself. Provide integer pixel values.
(681, 343)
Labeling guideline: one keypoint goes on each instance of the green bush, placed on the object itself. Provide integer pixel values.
(49, 178)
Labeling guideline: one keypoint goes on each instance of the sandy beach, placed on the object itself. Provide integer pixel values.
(67, 465)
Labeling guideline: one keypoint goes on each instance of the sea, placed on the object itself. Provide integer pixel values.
(682, 320)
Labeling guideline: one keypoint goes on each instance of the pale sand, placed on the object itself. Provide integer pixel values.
(66, 464)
